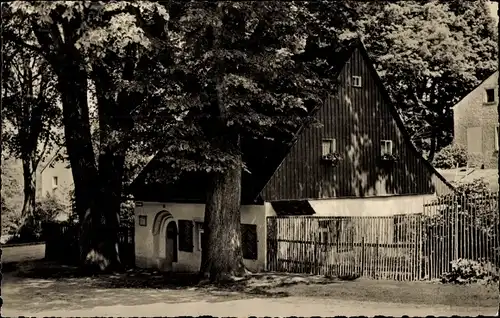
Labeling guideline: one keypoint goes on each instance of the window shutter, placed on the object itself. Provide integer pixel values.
(186, 236)
(249, 241)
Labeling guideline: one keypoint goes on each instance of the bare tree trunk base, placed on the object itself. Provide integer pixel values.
(224, 278)
(98, 250)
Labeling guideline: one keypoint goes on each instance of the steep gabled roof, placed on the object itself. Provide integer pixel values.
(397, 118)
(262, 157)
(472, 90)
(51, 159)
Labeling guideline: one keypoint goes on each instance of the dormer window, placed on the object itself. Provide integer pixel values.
(490, 96)
(386, 147)
(356, 81)
(328, 147)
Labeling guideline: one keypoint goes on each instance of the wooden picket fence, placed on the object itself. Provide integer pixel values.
(399, 247)
(61, 243)
(377, 247)
(460, 227)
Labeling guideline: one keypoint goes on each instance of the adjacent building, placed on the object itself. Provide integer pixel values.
(55, 178)
(475, 120)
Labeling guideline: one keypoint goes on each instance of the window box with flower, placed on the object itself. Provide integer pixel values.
(388, 157)
(329, 154)
(332, 159)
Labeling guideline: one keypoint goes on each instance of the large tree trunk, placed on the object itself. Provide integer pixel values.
(99, 242)
(113, 123)
(29, 188)
(91, 197)
(28, 227)
(69, 67)
(73, 87)
(83, 166)
(222, 259)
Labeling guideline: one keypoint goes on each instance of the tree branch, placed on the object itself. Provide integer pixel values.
(20, 43)
(42, 152)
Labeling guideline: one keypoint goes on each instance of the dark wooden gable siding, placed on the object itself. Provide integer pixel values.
(358, 118)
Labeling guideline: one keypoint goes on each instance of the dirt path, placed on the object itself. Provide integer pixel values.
(39, 289)
(22, 253)
(291, 306)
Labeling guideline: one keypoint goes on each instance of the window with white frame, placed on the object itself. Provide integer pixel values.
(386, 147)
(328, 146)
(55, 182)
(356, 81)
(489, 96)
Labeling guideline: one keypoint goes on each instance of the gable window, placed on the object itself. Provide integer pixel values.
(55, 182)
(328, 147)
(249, 241)
(490, 96)
(356, 81)
(385, 147)
(496, 138)
(186, 236)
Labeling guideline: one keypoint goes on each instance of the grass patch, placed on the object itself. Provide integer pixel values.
(400, 292)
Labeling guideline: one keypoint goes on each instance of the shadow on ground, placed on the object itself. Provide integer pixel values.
(255, 284)
(40, 285)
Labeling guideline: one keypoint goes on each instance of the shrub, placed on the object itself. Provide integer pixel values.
(126, 211)
(466, 271)
(451, 156)
(12, 194)
(30, 229)
(473, 188)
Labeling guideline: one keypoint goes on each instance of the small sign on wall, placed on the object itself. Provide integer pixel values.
(143, 220)
(138, 203)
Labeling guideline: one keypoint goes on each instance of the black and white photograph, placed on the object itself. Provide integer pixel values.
(250, 158)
